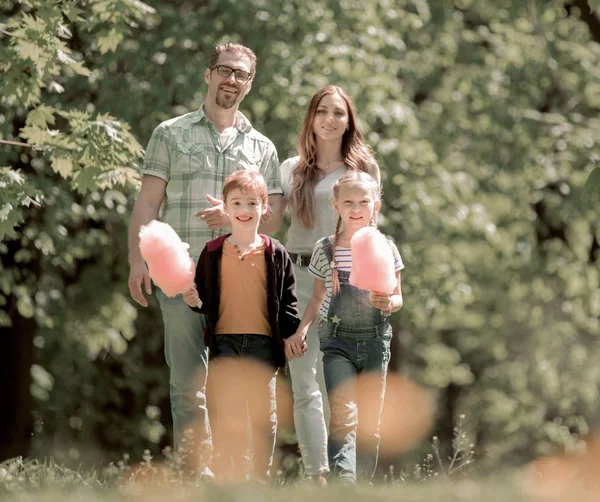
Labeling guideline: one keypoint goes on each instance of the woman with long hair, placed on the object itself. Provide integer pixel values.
(330, 144)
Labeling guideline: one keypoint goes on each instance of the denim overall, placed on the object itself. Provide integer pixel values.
(355, 339)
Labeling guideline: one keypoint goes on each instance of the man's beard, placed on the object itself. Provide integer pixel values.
(226, 101)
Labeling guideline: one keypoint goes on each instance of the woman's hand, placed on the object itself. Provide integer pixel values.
(381, 301)
(192, 298)
(295, 346)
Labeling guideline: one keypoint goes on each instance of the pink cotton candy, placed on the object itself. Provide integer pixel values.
(167, 257)
(372, 262)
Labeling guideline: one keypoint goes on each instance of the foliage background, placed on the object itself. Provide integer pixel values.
(484, 119)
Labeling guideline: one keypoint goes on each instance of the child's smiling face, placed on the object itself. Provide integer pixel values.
(244, 209)
(356, 205)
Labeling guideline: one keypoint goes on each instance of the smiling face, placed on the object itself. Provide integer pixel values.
(245, 209)
(227, 92)
(331, 118)
(356, 205)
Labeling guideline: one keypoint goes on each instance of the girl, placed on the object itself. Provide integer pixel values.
(354, 329)
(330, 144)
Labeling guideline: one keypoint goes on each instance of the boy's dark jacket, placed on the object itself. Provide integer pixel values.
(282, 302)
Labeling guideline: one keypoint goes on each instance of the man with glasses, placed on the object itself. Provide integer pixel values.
(186, 163)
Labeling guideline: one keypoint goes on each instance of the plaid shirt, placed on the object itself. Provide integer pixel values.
(186, 152)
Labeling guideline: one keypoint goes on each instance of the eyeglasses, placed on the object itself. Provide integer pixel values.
(240, 75)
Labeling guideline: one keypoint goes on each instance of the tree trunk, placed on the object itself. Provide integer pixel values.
(588, 16)
(446, 419)
(16, 358)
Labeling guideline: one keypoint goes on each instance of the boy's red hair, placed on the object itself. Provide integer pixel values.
(246, 182)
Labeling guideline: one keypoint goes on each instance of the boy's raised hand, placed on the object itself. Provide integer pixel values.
(295, 346)
(192, 298)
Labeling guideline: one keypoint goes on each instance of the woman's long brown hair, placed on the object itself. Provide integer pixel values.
(305, 176)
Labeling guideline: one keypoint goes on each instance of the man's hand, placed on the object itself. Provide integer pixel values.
(138, 274)
(214, 217)
(145, 209)
(295, 346)
(191, 298)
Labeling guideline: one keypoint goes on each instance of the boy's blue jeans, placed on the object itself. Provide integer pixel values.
(187, 358)
(347, 353)
(242, 385)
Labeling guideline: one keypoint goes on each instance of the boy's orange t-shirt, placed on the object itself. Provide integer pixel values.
(243, 295)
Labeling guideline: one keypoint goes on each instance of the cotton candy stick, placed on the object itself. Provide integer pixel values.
(169, 263)
(372, 262)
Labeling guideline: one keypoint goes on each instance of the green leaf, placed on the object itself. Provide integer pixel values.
(8, 224)
(30, 50)
(110, 41)
(63, 57)
(64, 32)
(593, 182)
(5, 211)
(41, 377)
(76, 116)
(86, 180)
(35, 135)
(13, 176)
(33, 24)
(594, 4)
(41, 116)
(73, 13)
(25, 306)
(590, 195)
(63, 166)
(143, 8)
(78, 68)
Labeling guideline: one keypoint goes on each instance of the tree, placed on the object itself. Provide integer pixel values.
(483, 117)
(63, 156)
(490, 198)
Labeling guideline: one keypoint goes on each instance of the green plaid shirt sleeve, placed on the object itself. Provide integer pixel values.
(157, 161)
(270, 170)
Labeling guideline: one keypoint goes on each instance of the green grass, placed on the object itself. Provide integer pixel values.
(164, 480)
(299, 494)
(50, 483)
(34, 481)
(434, 478)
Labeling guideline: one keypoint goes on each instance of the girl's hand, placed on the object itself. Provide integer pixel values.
(381, 301)
(191, 298)
(295, 346)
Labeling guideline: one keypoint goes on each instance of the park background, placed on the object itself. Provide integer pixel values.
(484, 118)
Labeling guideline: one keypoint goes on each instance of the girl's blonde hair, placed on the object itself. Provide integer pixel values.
(351, 178)
(355, 153)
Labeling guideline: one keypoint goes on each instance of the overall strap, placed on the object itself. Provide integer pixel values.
(328, 249)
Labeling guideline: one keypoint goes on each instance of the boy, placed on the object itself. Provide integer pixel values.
(245, 285)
